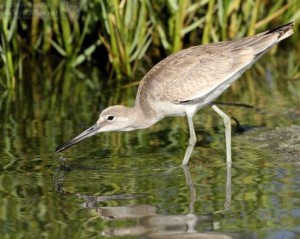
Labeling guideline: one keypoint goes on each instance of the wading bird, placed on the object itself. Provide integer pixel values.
(185, 82)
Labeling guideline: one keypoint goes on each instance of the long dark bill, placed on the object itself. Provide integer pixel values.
(85, 134)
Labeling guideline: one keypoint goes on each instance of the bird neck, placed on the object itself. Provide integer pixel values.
(143, 118)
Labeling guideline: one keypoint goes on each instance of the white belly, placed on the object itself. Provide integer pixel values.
(167, 109)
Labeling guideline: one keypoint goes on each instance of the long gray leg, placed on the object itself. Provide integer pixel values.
(227, 202)
(193, 137)
(192, 141)
(227, 124)
(190, 184)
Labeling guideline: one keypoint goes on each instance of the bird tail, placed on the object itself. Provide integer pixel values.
(282, 32)
(263, 42)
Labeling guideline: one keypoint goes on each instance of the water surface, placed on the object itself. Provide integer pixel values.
(130, 184)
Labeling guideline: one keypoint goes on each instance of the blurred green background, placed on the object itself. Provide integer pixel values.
(117, 35)
(63, 61)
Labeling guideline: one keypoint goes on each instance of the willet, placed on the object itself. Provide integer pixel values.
(185, 82)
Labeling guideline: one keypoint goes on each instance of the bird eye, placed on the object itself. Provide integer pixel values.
(111, 117)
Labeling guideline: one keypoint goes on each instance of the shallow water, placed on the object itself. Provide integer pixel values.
(130, 184)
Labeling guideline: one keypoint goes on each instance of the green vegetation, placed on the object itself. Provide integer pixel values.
(45, 101)
(119, 33)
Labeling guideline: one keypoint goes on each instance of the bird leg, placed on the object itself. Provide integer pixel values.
(190, 184)
(192, 141)
(193, 137)
(226, 120)
(227, 202)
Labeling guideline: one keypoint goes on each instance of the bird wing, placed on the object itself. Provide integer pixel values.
(202, 73)
(207, 75)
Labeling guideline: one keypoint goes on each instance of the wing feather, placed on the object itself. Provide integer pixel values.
(202, 73)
